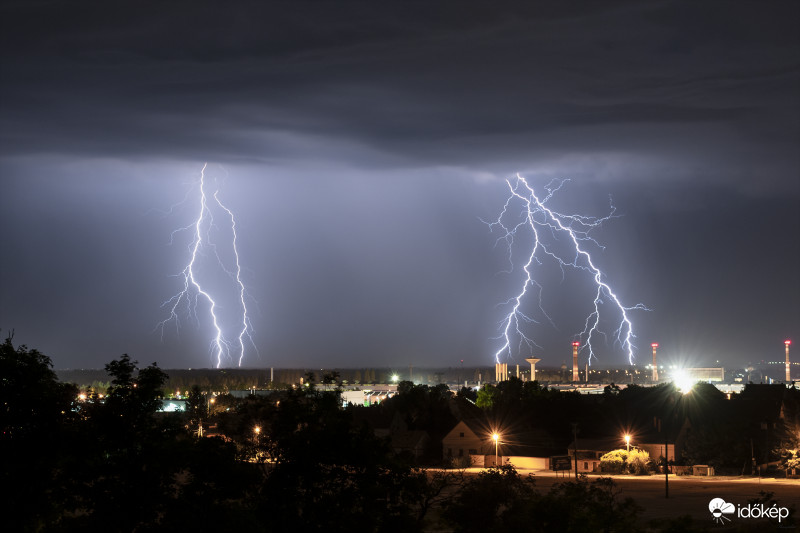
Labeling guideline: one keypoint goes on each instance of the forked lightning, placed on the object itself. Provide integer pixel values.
(223, 348)
(549, 230)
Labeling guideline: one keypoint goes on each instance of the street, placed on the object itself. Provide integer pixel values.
(688, 495)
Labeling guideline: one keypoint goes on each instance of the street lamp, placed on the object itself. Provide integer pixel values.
(628, 442)
(496, 438)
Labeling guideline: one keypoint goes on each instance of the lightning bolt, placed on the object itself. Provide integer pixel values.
(222, 348)
(550, 230)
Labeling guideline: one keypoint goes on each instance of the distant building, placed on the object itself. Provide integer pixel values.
(709, 375)
(693, 375)
(590, 451)
(172, 406)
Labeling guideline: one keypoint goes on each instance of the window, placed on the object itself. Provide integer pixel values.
(473, 451)
(585, 465)
(461, 452)
(449, 452)
(461, 434)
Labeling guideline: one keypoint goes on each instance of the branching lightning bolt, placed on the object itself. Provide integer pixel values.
(575, 231)
(223, 349)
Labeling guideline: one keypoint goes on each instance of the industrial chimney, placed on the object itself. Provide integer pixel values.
(575, 376)
(655, 364)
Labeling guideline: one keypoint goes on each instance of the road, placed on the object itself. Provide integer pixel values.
(688, 495)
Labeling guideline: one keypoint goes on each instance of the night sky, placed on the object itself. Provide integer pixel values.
(360, 146)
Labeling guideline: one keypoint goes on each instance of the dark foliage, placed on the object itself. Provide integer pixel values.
(37, 412)
(499, 499)
(325, 467)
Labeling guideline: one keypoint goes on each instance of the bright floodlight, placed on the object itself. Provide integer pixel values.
(682, 381)
(395, 378)
(495, 436)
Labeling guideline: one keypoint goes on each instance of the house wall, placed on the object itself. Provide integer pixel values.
(462, 442)
(530, 463)
(657, 450)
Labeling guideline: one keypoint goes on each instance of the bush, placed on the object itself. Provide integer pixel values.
(459, 462)
(638, 462)
(614, 462)
(623, 462)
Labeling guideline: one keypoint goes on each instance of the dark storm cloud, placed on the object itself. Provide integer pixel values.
(408, 83)
(364, 140)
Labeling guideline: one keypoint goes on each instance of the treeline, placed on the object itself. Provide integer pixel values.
(226, 379)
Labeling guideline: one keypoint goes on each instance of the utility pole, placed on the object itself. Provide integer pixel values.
(668, 413)
(666, 461)
(575, 446)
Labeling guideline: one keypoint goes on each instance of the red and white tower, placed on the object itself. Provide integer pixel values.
(655, 364)
(787, 342)
(575, 375)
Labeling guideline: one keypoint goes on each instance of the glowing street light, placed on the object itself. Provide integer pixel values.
(395, 378)
(628, 442)
(496, 438)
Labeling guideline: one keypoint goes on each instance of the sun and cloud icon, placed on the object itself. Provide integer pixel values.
(719, 508)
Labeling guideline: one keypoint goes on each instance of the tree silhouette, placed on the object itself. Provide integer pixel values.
(37, 411)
